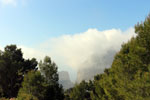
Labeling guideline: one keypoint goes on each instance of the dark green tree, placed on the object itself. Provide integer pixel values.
(25, 96)
(49, 70)
(34, 85)
(43, 84)
(80, 91)
(128, 77)
(13, 67)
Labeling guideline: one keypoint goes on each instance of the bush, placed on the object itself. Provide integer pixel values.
(4, 98)
(25, 96)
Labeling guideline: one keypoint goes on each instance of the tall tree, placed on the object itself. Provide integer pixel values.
(49, 70)
(34, 85)
(13, 67)
(80, 91)
(128, 77)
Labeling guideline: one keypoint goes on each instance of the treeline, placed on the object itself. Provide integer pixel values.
(21, 79)
(129, 76)
(127, 79)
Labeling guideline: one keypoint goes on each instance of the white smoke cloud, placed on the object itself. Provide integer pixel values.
(83, 51)
(74, 50)
(1, 48)
(29, 53)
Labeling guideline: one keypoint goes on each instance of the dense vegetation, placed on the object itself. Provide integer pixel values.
(20, 78)
(127, 79)
(129, 76)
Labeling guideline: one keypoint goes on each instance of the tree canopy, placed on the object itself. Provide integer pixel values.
(43, 84)
(129, 76)
(49, 70)
(13, 67)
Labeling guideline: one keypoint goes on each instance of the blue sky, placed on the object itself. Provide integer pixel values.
(34, 24)
(38, 20)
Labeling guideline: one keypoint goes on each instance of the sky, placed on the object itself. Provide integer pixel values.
(69, 31)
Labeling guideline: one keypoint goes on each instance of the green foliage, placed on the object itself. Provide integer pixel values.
(42, 84)
(4, 98)
(12, 69)
(33, 84)
(25, 96)
(49, 70)
(128, 78)
(79, 92)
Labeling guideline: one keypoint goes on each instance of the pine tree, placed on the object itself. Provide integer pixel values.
(128, 77)
(13, 67)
